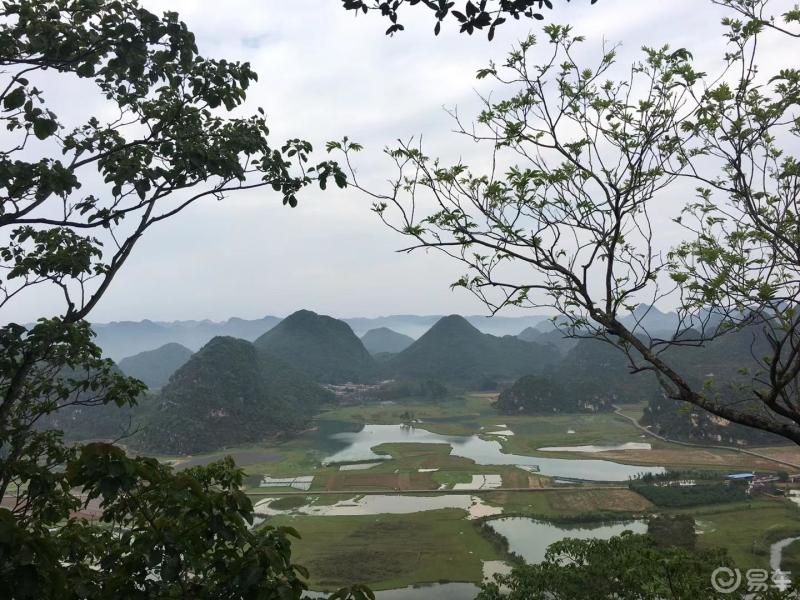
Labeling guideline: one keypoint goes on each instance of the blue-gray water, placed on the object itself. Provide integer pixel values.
(357, 446)
(530, 538)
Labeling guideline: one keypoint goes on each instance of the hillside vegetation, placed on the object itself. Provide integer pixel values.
(454, 350)
(323, 348)
(229, 394)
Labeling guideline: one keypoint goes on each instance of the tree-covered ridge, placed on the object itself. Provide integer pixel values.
(228, 394)
(324, 348)
(594, 374)
(533, 394)
(154, 367)
(454, 350)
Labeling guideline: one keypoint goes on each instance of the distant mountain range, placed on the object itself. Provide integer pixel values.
(154, 367)
(384, 340)
(120, 339)
(271, 385)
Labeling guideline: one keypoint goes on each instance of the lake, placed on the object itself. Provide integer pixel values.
(355, 446)
(377, 504)
(530, 538)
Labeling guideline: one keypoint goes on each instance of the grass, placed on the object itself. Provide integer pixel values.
(569, 503)
(389, 551)
(288, 502)
(460, 415)
(791, 558)
(451, 478)
(746, 530)
(468, 415)
(532, 432)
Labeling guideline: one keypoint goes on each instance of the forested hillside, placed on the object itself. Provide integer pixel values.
(323, 348)
(454, 350)
(533, 394)
(228, 394)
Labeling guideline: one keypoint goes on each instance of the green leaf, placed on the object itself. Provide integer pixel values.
(14, 99)
(44, 128)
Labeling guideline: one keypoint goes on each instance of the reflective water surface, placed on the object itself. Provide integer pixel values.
(357, 446)
(530, 538)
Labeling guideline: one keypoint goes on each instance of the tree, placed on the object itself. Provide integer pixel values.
(577, 161)
(478, 15)
(534, 394)
(78, 194)
(624, 567)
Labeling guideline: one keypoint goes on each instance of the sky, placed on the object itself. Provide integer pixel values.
(323, 74)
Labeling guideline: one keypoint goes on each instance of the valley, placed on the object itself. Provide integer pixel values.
(416, 504)
(424, 467)
(272, 330)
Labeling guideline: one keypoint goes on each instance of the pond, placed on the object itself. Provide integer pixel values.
(354, 446)
(376, 504)
(592, 449)
(530, 538)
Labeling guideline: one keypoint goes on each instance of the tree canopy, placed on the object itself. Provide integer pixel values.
(578, 157)
(79, 191)
(471, 16)
(625, 567)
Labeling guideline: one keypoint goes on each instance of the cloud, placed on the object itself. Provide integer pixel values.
(325, 73)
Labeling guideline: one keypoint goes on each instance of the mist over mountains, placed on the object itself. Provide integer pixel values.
(287, 373)
(121, 339)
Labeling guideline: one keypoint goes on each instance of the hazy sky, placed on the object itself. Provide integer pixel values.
(323, 74)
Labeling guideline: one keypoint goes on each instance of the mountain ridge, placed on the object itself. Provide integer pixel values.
(454, 350)
(324, 348)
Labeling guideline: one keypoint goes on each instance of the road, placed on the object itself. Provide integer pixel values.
(704, 446)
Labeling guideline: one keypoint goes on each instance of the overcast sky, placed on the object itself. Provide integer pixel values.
(325, 74)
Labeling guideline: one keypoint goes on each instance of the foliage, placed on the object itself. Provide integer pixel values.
(168, 147)
(677, 496)
(478, 15)
(579, 158)
(672, 530)
(624, 567)
(324, 348)
(79, 191)
(531, 395)
(161, 535)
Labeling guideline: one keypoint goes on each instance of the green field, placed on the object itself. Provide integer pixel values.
(466, 415)
(746, 530)
(389, 551)
(461, 415)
